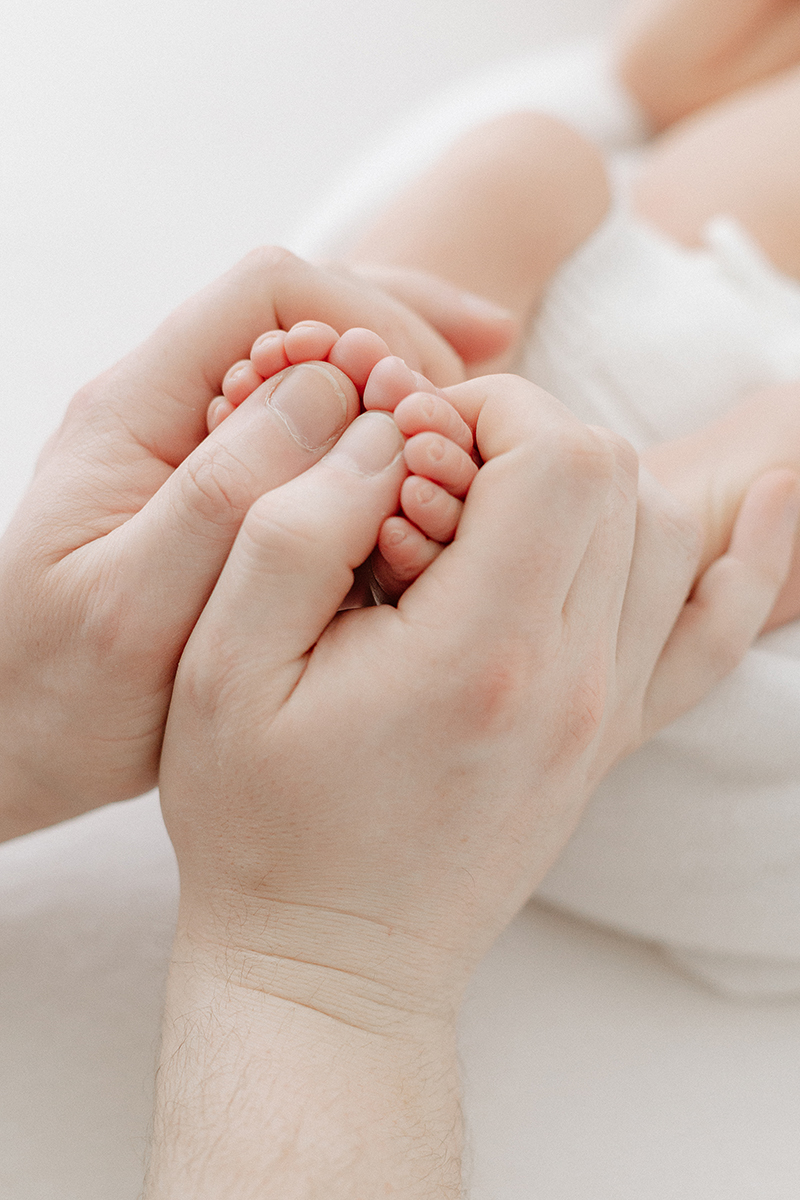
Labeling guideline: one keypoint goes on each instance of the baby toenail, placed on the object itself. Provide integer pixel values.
(395, 536)
(271, 336)
(310, 403)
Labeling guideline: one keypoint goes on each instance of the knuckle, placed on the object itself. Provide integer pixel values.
(84, 399)
(91, 400)
(494, 696)
(207, 674)
(107, 637)
(587, 454)
(491, 688)
(583, 714)
(274, 538)
(216, 488)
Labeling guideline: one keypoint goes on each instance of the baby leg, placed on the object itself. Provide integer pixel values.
(742, 158)
(498, 214)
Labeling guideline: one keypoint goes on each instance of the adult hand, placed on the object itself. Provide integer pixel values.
(360, 801)
(710, 470)
(132, 512)
(676, 56)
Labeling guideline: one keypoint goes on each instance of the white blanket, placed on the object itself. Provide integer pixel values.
(694, 841)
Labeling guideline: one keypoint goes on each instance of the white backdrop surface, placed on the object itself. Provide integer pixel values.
(145, 147)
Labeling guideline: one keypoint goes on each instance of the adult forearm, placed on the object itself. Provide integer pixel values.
(262, 1095)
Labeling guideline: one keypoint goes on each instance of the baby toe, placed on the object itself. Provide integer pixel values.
(423, 411)
(442, 461)
(241, 381)
(357, 353)
(431, 509)
(309, 340)
(267, 353)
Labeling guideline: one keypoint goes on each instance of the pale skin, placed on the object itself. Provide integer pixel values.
(678, 56)
(133, 510)
(345, 854)
(512, 200)
(331, 909)
(359, 801)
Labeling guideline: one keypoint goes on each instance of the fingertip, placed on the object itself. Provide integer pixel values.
(435, 457)
(308, 340)
(426, 409)
(267, 353)
(369, 446)
(487, 331)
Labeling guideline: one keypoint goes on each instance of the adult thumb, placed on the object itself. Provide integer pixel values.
(292, 563)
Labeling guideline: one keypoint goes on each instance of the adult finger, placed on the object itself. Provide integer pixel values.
(476, 329)
(292, 563)
(730, 603)
(176, 545)
(664, 564)
(610, 549)
(529, 515)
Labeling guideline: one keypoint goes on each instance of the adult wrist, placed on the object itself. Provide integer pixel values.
(264, 1093)
(352, 969)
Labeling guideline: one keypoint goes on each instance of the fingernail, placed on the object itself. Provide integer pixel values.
(370, 445)
(311, 404)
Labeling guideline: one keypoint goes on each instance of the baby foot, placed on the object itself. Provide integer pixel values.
(355, 353)
(437, 452)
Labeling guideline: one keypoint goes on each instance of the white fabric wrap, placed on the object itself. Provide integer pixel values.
(694, 841)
